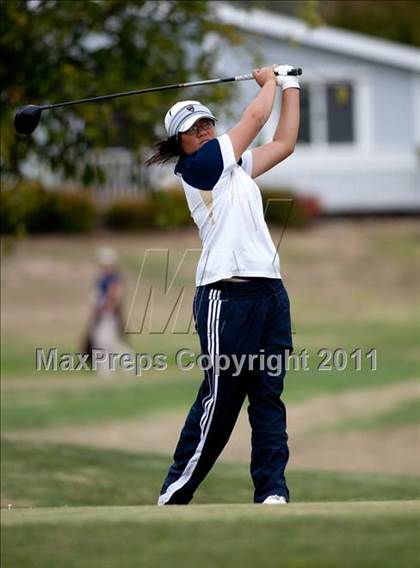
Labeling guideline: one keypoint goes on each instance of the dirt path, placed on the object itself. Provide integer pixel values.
(315, 442)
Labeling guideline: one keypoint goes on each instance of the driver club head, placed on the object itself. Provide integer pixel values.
(27, 119)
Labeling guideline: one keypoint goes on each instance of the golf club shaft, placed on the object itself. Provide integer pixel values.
(245, 77)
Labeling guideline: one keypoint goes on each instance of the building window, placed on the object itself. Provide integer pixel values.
(340, 112)
(327, 113)
(305, 116)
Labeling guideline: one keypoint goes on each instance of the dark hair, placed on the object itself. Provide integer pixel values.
(166, 150)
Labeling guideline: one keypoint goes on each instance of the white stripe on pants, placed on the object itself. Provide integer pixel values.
(208, 406)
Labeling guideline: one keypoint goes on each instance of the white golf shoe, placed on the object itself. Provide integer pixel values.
(275, 500)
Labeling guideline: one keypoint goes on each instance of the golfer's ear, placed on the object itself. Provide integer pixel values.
(243, 133)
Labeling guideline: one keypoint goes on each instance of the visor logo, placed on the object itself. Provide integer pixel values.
(190, 108)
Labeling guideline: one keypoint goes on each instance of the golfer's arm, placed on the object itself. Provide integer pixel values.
(267, 156)
(253, 119)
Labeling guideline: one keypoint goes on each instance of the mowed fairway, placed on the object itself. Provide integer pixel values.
(83, 457)
(315, 535)
(339, 519)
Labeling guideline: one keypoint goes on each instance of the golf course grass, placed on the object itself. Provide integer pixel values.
(83, 457)
(48, 523)
(315, 535)
(75, 476)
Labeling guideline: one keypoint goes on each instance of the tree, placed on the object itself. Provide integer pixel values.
(395, 20)
(54, 51)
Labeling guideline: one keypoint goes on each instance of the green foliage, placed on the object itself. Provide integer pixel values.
(394, 20)
(161, 210)
(310, 13)
(172, 209)
(63, 213)
(288, 210)
(130, 215)
(28, 208)
(49, 56)
(168, 210)
(17, 205)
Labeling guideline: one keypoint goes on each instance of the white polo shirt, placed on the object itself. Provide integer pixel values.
(227, 207)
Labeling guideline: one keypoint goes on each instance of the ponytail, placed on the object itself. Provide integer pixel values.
(166, 150)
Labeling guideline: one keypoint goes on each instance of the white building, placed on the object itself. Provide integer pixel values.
(359, 141)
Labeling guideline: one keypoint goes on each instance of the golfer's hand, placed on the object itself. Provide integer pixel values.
(263, 75)
(284, 80)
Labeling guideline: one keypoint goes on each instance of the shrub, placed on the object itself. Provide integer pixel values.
(283, 207)
(62, 212)
(17, 205)
(131, 215)
(172, 209)
(162, 209)
(29, 208)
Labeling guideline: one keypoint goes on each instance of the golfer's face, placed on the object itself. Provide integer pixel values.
(199, 133)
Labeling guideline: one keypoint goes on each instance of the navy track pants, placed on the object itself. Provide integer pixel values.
(237, 319)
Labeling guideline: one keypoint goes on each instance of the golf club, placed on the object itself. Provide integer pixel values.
(28, 117)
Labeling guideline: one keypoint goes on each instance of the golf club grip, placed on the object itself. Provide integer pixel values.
(295, 71)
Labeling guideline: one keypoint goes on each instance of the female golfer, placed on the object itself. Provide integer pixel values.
(241, 307)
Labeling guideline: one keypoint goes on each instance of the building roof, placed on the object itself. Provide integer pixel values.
(323, 37)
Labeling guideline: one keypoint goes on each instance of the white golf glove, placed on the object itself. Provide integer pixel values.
(283, 80)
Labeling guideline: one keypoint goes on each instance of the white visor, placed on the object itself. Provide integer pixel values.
(183, 115)
(191, 120)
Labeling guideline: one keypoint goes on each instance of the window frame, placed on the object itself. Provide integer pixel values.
(317, 81)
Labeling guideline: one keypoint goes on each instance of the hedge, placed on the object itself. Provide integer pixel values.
(168, 209)
(30, 208)
(287, 209)
(130, 215)
(162, 210)
(172, 209)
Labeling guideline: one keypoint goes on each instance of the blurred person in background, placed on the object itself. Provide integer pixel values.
(106, 329)
(241, 307)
